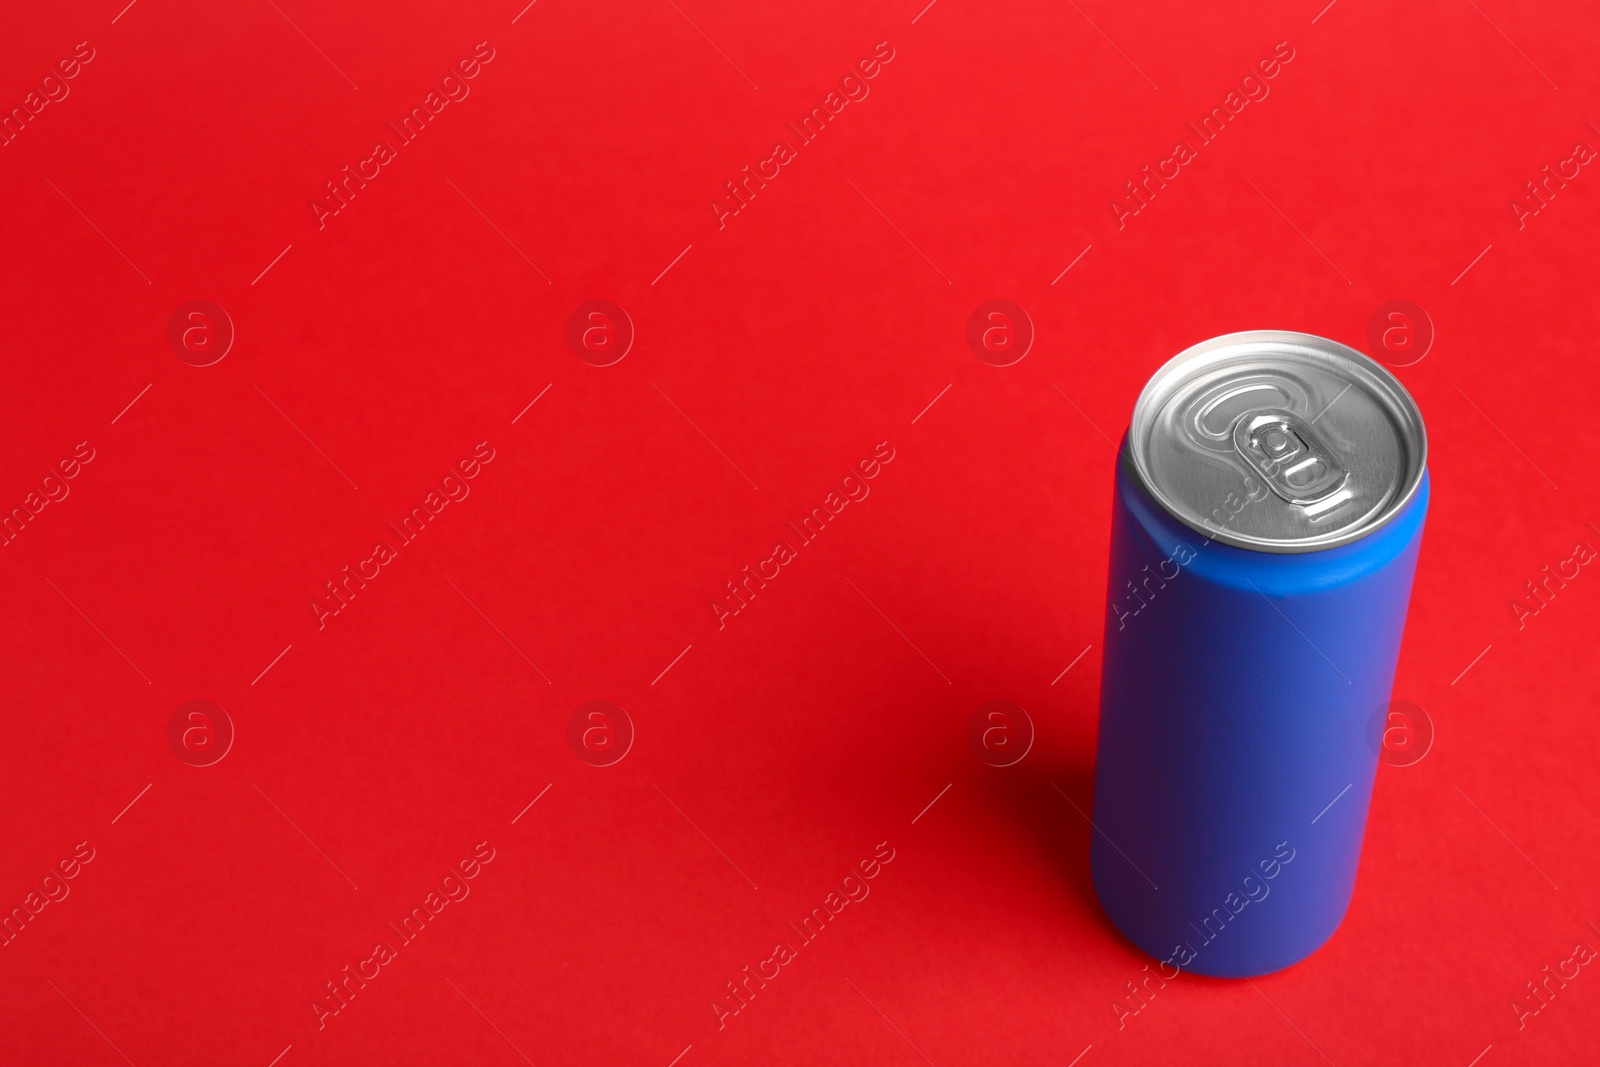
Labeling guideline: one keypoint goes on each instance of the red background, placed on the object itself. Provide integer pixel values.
(821, 320)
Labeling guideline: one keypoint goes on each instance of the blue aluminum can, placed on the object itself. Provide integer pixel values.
(1269, 504)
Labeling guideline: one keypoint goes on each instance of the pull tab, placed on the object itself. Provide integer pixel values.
(1292, 459)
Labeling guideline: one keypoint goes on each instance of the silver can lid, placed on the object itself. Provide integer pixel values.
(1277, 441)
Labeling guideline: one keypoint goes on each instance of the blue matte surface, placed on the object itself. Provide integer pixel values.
(1244, 696)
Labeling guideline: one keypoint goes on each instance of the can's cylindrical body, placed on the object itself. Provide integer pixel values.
(1241, 708)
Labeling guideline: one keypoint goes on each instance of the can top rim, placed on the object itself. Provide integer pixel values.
(1296, 351)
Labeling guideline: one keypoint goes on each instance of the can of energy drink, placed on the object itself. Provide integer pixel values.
(1269, 501)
